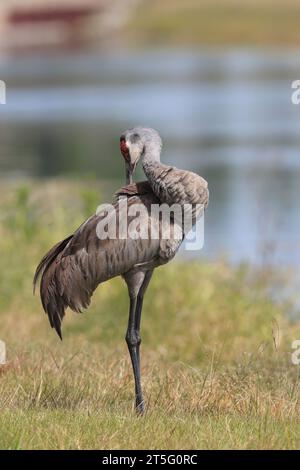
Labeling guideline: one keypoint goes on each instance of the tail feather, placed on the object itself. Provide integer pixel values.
(47, 260)
(52, 302)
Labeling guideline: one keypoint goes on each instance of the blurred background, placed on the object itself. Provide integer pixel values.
(214, 77)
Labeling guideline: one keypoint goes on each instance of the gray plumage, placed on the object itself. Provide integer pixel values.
(71, 271)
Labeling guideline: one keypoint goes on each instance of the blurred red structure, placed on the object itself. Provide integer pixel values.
(49, 14)
(40, 23)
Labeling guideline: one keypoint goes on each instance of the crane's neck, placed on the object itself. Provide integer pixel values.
(151, 159)
(151, 153)
(155, 170)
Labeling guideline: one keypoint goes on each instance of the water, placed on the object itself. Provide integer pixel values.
(225, 114)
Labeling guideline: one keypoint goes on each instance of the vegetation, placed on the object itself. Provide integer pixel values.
(216, 22)
(216, 355)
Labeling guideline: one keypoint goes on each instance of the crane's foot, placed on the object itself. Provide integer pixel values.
(140, 407)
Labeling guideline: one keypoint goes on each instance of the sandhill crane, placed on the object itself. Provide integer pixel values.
(72, 269)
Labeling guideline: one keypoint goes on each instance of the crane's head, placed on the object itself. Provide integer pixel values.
(132, 148)
(132, 145)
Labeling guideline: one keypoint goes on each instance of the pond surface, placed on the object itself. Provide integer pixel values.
(225, 114)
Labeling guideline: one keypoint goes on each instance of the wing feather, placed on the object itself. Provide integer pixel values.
(72, 269)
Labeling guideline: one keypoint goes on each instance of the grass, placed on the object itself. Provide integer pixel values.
(216, 22)
(216, 354)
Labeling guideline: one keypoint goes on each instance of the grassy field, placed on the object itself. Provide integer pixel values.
(216, 22)
(216, 353)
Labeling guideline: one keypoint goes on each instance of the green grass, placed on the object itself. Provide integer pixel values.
(212, 375)
(216, 22)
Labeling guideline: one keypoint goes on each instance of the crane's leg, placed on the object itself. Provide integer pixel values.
(137, 283)
(139, 308)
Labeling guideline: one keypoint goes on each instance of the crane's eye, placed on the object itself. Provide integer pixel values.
(124, 149)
